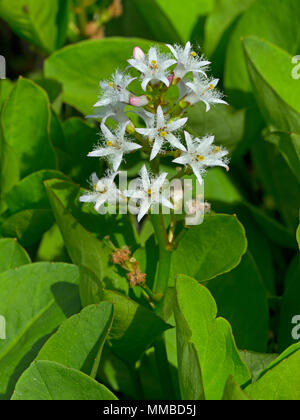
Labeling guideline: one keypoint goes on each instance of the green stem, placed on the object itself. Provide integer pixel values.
(164, 264)
(160, 288)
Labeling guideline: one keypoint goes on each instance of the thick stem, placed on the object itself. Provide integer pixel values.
(159, 289)
(164, 263)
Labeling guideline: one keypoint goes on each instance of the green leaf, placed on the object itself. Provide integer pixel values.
(42, 24)
(12, 255)
(184, 19)
(233, 392)
(49, 381)
(9, 174)
(274, 230)
(276, 92)
(282, 382)
(227, 124)
(27, 226)
(28, 136)
(91, 287)
(259, 247)
(34, 299)
(242, 300)
(279, 182)
(30, 193)
(218, 28)
(79, 341)
(83, 246)
(289, 146)
(100, 58)
(52, 247)
(197, 326)
(284, 355)
(298, 236)
(260, 20)
(211, 249)
(80, 139)
(219, 187)
(290, 306)
(134, 329)
(157, 22)
(257, 362)
(6, 86)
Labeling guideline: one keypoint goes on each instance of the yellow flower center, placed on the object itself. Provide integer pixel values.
(211, 86)
(163, 133)
(200, 158)
(217, 149)
(154, 65)
(95, 186)
(111, 85)
(149, 192)
(109, 143)
(193, 54)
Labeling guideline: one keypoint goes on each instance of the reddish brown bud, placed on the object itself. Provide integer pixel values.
(136, 277)
(121, 256)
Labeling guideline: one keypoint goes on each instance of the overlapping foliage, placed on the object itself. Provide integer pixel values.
(226, 319)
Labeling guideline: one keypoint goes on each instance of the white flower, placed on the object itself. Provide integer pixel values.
(202, 89)
(116, 145)
(104, 191)
(153, 66)
(149, 192)
(115, 90)
(187, 61)
(116, 112)
(201, 154)
(160, 131)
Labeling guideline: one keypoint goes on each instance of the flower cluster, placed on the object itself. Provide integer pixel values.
(162, 128)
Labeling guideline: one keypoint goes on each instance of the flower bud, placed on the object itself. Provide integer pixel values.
(138, 100)
(138, 53)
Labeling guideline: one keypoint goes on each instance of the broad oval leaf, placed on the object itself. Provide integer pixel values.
(276, 92)
(30, 192)
(279, 383)
(79, 341)
(27, 226)
(260, 20)
(211, 249)
(44, 24)
(28, 136)
(12, 255)
(219, 26)
(83, 246)
(49, 381)
(34, 299)
(197, 325)
(100, 58)
(242, 299)
(134, 329)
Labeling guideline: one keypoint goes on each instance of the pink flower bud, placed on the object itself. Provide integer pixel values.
(171, 78)
(138, 100)
(138, 53)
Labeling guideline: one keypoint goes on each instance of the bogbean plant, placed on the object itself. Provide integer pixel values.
(143, 109)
